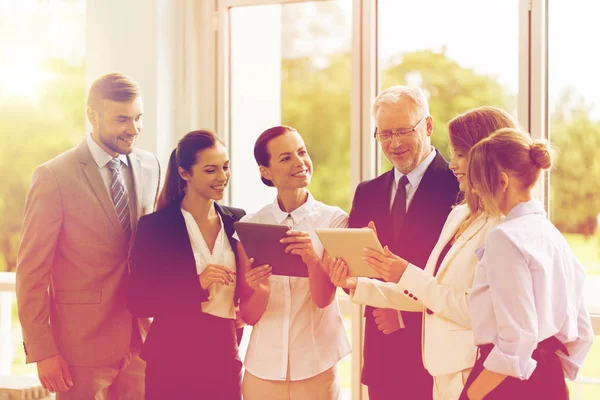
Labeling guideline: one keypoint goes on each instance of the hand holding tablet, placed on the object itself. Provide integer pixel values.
(263, 243)
(349, 244)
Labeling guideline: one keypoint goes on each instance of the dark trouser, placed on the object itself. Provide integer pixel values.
(190, 381)
(393, 364)
(547, 381)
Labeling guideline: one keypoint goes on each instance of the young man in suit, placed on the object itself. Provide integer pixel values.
(80, 220)
(408, 206)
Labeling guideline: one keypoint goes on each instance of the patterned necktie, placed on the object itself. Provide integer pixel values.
(118, 193)
(399, 207)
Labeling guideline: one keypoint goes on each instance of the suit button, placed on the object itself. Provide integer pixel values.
(415, 298)
(410, 295)
(406, 292)
(429, 311)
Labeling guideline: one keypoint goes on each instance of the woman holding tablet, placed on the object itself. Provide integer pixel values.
(298, 335)
(442, 289)
(183, 273)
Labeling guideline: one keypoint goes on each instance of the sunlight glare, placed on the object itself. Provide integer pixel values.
(21, 77)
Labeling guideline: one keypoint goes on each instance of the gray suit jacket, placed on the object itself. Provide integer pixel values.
(72, 264)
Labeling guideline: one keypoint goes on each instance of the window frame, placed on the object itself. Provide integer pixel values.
(532, 106)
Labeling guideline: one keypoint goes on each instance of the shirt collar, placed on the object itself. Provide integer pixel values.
(100, 156)
(525, 208)
(414, 177)
(297, 215)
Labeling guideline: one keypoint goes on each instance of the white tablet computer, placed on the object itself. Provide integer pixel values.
(349, 244)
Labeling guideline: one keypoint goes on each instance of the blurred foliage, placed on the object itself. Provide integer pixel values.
(451, 89)
(316, 101)
(316, 95)
(575, 179)
(32, 133)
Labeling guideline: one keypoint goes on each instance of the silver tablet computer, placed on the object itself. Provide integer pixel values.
(261, 242)
(349, 244)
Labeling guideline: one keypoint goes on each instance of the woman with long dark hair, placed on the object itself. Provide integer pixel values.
(183, 273)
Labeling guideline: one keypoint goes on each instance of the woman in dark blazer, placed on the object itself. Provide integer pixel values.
(183, 274)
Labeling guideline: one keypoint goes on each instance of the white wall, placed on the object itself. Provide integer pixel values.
(166, 47)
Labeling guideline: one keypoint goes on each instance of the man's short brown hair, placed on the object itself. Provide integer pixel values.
(114, 86)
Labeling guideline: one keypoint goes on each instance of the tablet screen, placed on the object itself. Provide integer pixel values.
(349, 244)
(261, 242)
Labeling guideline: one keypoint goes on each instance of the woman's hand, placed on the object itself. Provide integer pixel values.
(338, 274)
(301, 244)
(215, 273)
(389, 266)
(258, 278)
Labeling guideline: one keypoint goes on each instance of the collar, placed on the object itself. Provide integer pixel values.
(297, 215)
(100, 156)
(414, 177)
(526, 208)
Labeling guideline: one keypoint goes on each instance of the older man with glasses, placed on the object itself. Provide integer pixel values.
(407, 206)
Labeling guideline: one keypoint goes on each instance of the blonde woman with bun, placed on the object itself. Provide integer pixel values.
(527, 310)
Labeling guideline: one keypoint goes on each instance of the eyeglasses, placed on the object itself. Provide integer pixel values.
(398, 133)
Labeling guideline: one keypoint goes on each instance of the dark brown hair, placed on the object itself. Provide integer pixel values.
(261, 154)
(184, 156)
(114, 86)
(469, 128)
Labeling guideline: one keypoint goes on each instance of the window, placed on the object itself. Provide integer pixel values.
(460, 56)
(574, 128)
(299, 75)
(42, 113)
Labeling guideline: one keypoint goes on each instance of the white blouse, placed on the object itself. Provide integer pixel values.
(528, 287)
(294, 339)
(220, 297)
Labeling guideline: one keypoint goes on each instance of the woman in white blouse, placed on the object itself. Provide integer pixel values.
(183, 273)
(298, 334)
(442, 288)
(527, 309)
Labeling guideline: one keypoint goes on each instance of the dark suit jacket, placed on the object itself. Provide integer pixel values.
(396, 358)
(164, 284)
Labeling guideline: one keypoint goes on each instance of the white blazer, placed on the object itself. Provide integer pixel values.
(447, 345)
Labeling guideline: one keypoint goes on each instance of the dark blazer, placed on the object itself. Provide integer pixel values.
(395, 359)
(164, 284)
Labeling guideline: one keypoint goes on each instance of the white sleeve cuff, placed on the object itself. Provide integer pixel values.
(509, 365)
(361, 292)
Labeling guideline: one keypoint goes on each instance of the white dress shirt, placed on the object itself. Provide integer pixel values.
(527, 288)
(414, 179)
(294, 339)
(220, 297)
(102, 158)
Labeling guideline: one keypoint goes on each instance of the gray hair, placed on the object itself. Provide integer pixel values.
(392, 95)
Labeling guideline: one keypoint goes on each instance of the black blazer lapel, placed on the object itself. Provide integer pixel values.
(179, 246)
(228, 220)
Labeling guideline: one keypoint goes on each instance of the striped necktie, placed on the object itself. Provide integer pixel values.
(118, 193)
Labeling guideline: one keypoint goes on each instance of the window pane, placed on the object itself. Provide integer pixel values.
(467, 60)
(298, 76)
(574, 128)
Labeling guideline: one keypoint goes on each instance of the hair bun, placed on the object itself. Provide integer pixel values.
(540, 154)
